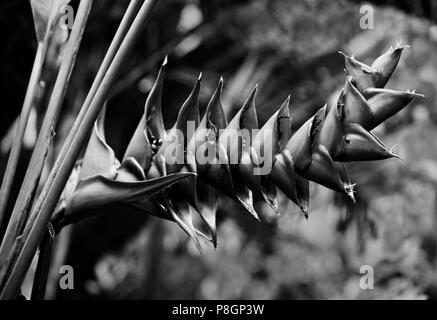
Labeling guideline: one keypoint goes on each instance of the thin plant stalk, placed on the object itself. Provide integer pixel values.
(36, 164)
(115, 44)
(43, 265)
(17, 143)
(122, 30)
(109, 56)
(59, 175)
(40, 281)
(45, 249)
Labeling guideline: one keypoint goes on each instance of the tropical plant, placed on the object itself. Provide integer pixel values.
(149, 177)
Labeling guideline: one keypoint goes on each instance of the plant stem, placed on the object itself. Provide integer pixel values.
(122, 30)
(43, 265)
(14, 155)
(31, 91)
(36, 164)
(62, 169)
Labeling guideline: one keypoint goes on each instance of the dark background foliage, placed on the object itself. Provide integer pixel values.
(286, 47)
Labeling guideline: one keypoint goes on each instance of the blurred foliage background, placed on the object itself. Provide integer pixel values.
(287, 47)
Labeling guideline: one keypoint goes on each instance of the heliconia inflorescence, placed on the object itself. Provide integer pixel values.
(147, 179)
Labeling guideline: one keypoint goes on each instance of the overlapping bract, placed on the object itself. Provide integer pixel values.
(149, 180)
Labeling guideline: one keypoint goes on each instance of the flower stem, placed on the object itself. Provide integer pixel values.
(36, 164)
(14, 155)
(59, 175)
(43, 265)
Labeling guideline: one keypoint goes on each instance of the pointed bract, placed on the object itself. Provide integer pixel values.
(99, 158)
(376, 75)
(179, 135)
(299, 146)
(356, 108)
(323, 171)
(239, 153)
(283, 175)
(183, 217)
(189, 110)
(153, 110)
(139, 147)
(361, 74)
(362, 145)
(99, 191)
(208, 202)
(268, 143)
(385, 103)
(386, 64)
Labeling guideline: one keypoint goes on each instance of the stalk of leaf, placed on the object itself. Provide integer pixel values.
(45, 205)
(31, 180)
(36, 164)
(43, 266)
(120, 34)
(29, 98)
(40, 280)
